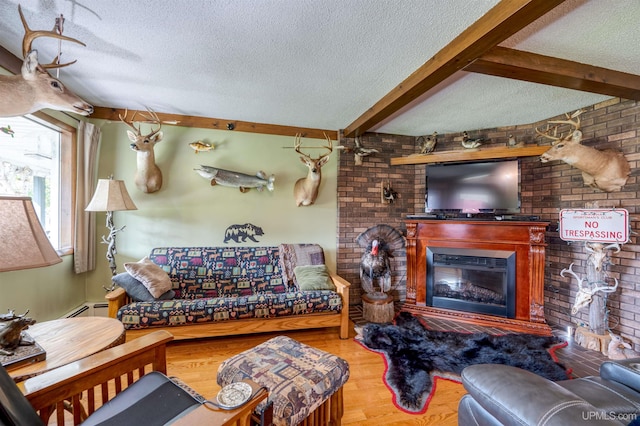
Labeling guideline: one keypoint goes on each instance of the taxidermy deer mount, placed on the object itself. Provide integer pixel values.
(148, 176)
(606, 170)
(35, 88)
(305, 189)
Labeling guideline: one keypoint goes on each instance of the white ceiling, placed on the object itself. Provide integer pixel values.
(314, 63)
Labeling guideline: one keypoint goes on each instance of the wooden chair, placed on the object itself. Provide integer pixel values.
(136, 368)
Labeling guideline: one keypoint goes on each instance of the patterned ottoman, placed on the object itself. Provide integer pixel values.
(305, 383)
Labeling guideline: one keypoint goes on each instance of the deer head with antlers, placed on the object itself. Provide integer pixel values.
(305, 189)
(148, 177)
(606, 170)
(35, 88)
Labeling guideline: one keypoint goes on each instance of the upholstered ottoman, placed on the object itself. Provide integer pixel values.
(305, 383)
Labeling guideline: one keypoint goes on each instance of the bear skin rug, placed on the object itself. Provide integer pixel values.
(414, 355)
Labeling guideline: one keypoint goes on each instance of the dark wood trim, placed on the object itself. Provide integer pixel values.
(9, 61)
(501, 22)
(222, 124)
(535, 68)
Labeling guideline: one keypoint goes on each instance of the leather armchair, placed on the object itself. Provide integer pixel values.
(504, 395)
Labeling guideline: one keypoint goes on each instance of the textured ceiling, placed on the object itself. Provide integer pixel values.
(315, 63)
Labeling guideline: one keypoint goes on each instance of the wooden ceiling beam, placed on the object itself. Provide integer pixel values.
(502, 21)
(14, 64)
(9, 61)
(113, 114)
(535, 68)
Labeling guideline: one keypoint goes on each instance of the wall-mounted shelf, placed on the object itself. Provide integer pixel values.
(469, 155)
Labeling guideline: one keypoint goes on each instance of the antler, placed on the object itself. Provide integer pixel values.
(329, 147)
(151, 118)
(570, 271)
(298, 142)
(606, 288)
(30, 36)
(576, 134)
(130, 122)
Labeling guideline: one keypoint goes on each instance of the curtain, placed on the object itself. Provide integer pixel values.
(84, 257)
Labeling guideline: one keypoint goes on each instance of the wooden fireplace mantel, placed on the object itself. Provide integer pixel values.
(525, 238)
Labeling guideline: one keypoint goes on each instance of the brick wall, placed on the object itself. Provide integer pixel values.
(546, 188)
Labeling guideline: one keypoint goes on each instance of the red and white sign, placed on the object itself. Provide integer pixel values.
(595, 225)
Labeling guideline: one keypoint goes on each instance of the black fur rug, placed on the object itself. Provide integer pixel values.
(414, 355)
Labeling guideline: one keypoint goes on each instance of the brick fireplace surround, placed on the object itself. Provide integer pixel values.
(546, 188)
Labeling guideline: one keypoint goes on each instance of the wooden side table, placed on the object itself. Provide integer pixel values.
(69, 339)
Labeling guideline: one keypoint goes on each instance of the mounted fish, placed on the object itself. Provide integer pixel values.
(235, 179)
(199, 146)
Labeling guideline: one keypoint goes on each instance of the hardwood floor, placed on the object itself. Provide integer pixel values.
(367, 401)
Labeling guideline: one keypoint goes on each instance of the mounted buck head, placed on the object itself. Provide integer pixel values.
(148, 175)
(305, 189)
(35, 88)
(606, 170)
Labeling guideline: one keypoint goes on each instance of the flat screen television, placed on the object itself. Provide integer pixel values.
(481, 187)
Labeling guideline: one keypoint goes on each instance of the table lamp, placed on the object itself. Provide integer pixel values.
(23, 242)
(23, 245)
(111, 195)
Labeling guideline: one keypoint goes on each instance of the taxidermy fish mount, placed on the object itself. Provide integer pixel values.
(199, 146)
(236, 179)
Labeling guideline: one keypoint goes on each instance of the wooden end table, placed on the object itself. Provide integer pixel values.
(69, 339)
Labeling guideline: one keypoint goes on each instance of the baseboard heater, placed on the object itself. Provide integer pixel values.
(89, 310)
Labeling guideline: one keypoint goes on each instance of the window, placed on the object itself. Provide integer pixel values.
(36, 154)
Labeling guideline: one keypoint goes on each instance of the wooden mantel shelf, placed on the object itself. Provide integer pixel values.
(472, 154)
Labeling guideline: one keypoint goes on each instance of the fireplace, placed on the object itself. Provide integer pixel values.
(491, 273)
(471, 280)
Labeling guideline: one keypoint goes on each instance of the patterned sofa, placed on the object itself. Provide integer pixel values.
(222, 291)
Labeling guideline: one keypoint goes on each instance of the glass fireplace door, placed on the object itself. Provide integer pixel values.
(470, 280)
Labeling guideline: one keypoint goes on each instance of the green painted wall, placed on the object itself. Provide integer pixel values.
(47, 293)
(187, 211)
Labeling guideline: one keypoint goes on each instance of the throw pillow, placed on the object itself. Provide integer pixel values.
(153, 277)
(313, 277)
(137, 291)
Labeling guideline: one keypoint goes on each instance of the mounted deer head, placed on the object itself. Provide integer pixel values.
(35, 88)
(606, 170)
(305, 189)
(585, 293)
(148, 175)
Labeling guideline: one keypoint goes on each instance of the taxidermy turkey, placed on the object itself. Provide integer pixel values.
(379, 243)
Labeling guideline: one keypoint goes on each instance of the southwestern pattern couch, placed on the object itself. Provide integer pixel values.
(223, 291)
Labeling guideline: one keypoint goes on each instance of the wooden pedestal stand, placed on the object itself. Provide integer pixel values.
(593, 341)
(377, 310)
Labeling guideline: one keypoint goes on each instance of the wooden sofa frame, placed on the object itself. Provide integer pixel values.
(119, 298)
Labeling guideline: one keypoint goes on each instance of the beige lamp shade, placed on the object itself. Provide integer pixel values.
(23, 242)
(111, 195)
